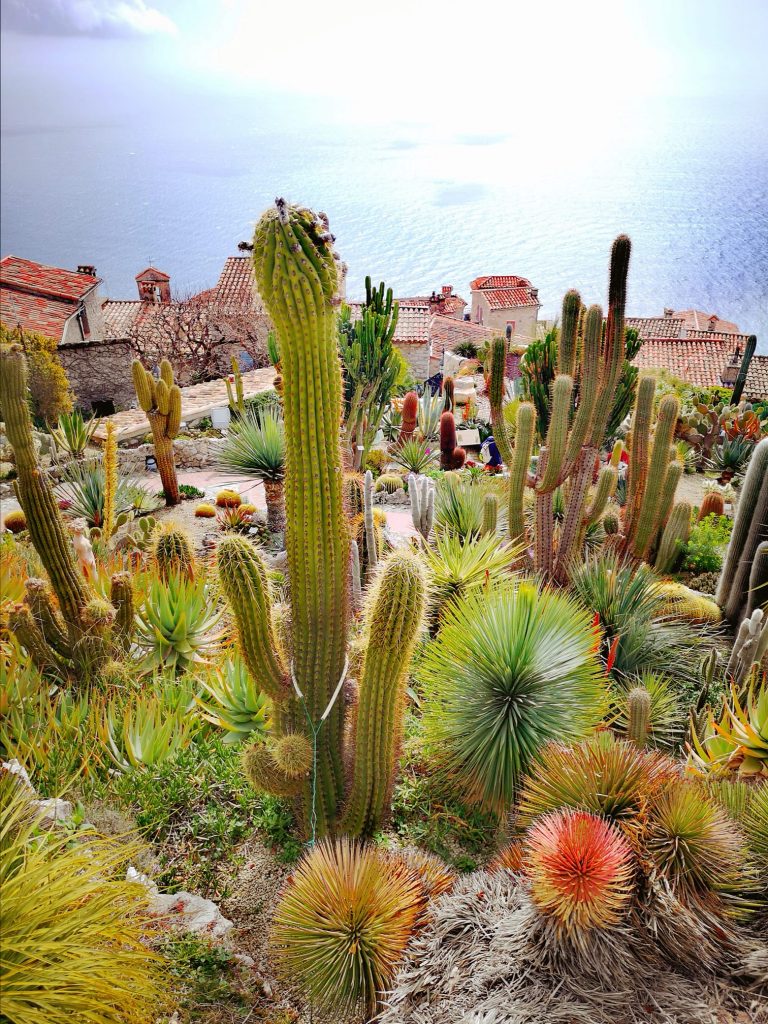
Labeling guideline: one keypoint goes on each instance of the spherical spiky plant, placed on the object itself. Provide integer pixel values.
(509, 671)
(580, 867)
(343, 922)
(433, 873)
(293, 754)
(611, 778)
(692, 842)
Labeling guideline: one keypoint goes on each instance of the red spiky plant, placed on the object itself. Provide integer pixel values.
(581, 870)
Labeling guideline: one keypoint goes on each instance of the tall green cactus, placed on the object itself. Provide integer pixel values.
(297, 279)
(490, 515)
(673, 538)
(758, 579)
(174, 554)
(750, 529)
(161, 401)
(741, 376)
(235, 392)
(655, 499)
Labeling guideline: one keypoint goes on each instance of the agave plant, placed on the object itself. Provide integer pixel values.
(73, 945)
(581, 869)
(147, 730)
(459, 567)
(738, 743)
(73, 434)
(176, 627)
(343, 922)
(256, 447)
(428, 415)
(414, 456)
(83, 486)
(646, 710)
(731, 457)
(233, 702)
(508, 672)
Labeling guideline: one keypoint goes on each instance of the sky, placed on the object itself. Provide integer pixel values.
(349, 62)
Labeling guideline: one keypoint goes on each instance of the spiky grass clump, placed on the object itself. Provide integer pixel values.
(510, 858)
(15, 522)
(228, 499)
(580, 868)
(205, 511)
(665, 722)
(508, 672)
(692, 843)
(433, 873)
(604, 776)
(73, 945)
(459, 567)
(343, 922)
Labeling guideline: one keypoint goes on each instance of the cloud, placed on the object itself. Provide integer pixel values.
(109, 19)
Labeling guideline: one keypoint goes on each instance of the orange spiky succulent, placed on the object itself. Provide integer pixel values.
(580, 869)
(510, 858)
(433, 873)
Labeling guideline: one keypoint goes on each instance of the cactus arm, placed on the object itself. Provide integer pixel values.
(569, 323)
(648, 519)
(244, 583)
(519, 470)
(667, 497)
(393, 621)
(22, 624)
(750, 528)
(615, 343)
(741, 376)
(355, 572)
(544, 531)
(758, 579)
(121, 595)
(144, 385)
(589, 386)
(490, 515)
(296, 277)
(41, 603)
(605, 490)
(574, 511)
(637, 474)
(110, 479)
(44, 520)
(557, 434)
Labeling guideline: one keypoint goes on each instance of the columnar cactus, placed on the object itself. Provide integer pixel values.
(410, 414)
(421, 491)
(296, 276)
(235, 393)
(638, 715)
(451, 457)
(741, 376)
(161, 401)
(490, 515)
(448, 393)
(750, 529)
(110, 480)
(174, 554)
(673, 538)
(758, 579)
(371, 547)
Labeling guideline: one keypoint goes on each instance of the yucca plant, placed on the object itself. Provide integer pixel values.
(738, 743)
(83, 485)
(430, 409)
(256, 447)
(146, 731)
(415, 456)
(459, 567)
(73, 434)
(602, 775)
(646, 709)
(581, 869)
(458, 509)
(176, 627)
(508, 672)
(691, 842)
(233, 702)
(343, 922)
(74, 941)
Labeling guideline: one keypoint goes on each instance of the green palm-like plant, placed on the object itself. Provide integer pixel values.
(605, 776)
(73, 434)
(234, 703)
(415, 456)
(176, 626)
(256, 447)
(343, 922)
(646, 709)
(459, 567)
(508, 672)
(73, 945)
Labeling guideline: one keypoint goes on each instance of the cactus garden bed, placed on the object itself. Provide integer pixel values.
(341, 733)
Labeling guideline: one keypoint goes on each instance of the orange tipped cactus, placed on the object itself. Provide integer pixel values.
(581, 870)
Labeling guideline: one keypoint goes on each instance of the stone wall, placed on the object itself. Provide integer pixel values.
(190, 453)
(99, 372)
(417, 357)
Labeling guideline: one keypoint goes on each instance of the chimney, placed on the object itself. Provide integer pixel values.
(669, 312)
(535, 292)
(154, 285)
(86, 268)
(447, 290)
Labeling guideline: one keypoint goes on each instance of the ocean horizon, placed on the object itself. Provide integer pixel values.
(416, 206)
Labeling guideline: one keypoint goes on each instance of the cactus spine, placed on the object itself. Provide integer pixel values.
(393, 621)
(673, 538)
(750, 529)
(490, 515)
(421, 491)
(161, 401)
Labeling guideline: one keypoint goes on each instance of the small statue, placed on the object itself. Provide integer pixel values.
(83, 549)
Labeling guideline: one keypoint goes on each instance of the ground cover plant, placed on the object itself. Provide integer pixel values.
(510, 767)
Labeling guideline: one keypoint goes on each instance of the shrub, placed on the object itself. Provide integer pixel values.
(706, 544)
(49, 386)
(205, 511)
(190, 492)
(15, 521)
(508, 671)
(580, 868)
(74, 939)
(343, 922)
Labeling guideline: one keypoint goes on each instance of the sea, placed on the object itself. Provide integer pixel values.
(418, 205)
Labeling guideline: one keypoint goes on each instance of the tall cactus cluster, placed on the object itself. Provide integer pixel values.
(750, 531)
(589, 363)
(161, 401)
(304, 669)
(66, 627)
(421, 491)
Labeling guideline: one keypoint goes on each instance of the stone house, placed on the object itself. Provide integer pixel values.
(504, 301)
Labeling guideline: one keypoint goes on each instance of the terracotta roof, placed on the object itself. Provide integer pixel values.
(757, 378)
(50, 282)
(119, 316)
(34, 312)
(447, 305)
(696, 320)
(412, 322)
(509, 298)
(236, 281)
(733, 339)
(152, 274)
(494, 281)
(656, 326)
(445, 333)
(700, 362)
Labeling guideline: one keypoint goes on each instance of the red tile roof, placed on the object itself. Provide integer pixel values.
(493, 281)
(236, 281)
(50, 282)
(152, 274)
(412, 322)
(696, 320)
(700, 362)
(509, 298)
(757, 378)
(447, 305)
(34, 312)
(656, 326)
(446, 333)
(119, 317)
(732, 338)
